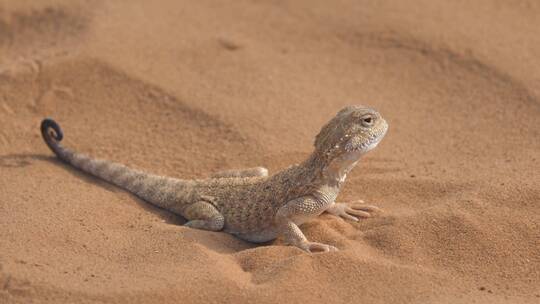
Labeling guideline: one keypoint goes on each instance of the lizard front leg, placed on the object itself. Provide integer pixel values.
(352, 211)
(294, 213)
(248, 172)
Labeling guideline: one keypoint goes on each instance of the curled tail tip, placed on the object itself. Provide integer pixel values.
(51, 138)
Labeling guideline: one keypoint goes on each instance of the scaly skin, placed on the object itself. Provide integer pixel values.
(248, 203)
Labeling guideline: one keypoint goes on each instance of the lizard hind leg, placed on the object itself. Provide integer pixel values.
(203, 215)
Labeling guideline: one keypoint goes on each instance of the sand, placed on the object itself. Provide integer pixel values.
(187, 88)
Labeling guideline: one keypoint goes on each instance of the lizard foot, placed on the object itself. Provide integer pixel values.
(352, 211)
(313, 247)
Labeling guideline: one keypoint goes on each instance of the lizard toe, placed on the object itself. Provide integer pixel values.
(313, 247)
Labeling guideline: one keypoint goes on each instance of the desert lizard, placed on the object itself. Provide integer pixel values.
(249, 203)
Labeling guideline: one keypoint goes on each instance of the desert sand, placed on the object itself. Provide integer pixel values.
(188, 88)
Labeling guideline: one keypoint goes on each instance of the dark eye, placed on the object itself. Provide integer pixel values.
(367, 121)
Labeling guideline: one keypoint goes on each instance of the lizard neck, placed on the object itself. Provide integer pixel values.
(337, 169)
(316, 173)
(331, 172)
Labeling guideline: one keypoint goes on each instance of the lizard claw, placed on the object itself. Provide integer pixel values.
(352, 211)
(313, 247)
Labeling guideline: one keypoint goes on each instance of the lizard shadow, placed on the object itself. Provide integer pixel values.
(224, 244)
(19, 160)
(167, 216)
(25, 160)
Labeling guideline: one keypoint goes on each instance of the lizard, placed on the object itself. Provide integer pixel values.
(251, 204)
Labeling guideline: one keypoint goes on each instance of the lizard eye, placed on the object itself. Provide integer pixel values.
(367, 121)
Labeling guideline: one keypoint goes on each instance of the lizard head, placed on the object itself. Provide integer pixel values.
(352, 132)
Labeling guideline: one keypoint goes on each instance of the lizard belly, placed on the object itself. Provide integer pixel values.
(252, 231)
(250, 221)
(258, 236)
(299, 220)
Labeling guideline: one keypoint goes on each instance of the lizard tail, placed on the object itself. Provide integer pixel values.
(152, 188)
(52, 135)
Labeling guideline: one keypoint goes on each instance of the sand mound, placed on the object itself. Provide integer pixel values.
(186, 89)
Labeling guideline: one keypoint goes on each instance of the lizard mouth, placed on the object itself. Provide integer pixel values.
(366, 142)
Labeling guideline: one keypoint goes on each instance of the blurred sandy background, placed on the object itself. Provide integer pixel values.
(186, 88)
